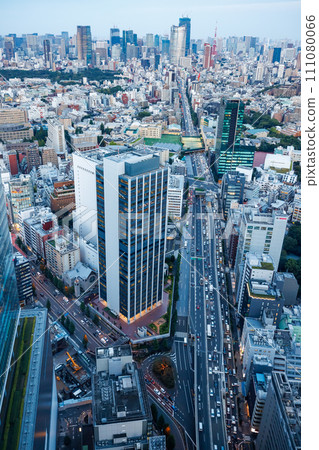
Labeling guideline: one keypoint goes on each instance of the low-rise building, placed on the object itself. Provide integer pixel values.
(63, 196)
(121, 413)
(61, 255)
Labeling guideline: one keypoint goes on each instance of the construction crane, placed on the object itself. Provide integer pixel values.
(72, 363)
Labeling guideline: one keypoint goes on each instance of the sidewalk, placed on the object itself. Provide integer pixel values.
(131, 329)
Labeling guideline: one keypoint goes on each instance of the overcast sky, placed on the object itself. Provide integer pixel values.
(263, 18)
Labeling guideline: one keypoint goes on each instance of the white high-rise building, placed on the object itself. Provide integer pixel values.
(175, 195)
(261, 233)
(177, 44)
(85, 214)
(56, 137)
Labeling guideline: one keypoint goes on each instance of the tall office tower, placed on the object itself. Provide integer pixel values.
(276, 54)
(156, 40)
(228, 152)
(23, 276)
(65, 37)
(56, 138)
(114, 36)
(9, 47)
(280, 427)
(165, 46)
(84, 44)
(149, 40)
(46, 51)
(261, 233)
(233, 185)
(186, 21)
(131, 240)
(128, 38)
(177, 44)
(259, 74)
(207, 56)
(9, 298)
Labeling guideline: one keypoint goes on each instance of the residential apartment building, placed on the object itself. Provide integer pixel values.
(261, 233)
(21, 195)
(24, 281)
(56, 138)
(61, 255)
(175, 193)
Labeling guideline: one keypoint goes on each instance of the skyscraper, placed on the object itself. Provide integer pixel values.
(207, 56)
(276, 54)
(65, 37)
(114, 36)
(280, 427)
(46, 51)
(9, 299)
(128, 38)
(131, 240)
(177, 44)
(233, 185)
(229, 152)
(84, 44)
(187, 22)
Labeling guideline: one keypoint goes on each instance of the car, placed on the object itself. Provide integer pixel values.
(209, 356)
(198, 337)
(218, 412)
(228, 410)
(210, 371)
(212, 414)
(197, 306)
(233, 420)
(211, 392)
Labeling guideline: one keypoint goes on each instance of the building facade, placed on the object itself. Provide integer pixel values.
(131, 240)
(9, 298)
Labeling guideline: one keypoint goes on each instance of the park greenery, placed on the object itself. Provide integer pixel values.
(163, 427)
(292, 247)
(259, 120)
(164, 371)
(14, 413)
(58, 283)
(68, 324)
(61, 76)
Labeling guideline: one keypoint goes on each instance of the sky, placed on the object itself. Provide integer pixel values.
(274, 19)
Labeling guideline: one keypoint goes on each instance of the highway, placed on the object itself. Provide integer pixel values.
(190, 130)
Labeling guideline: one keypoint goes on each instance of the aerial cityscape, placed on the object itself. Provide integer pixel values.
(150, 239)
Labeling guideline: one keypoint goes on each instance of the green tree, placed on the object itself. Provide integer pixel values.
(154, 412)
(62, 319)
(71, 328)
(87, 311)
(290, 244)
(161, 422)
(102, 128)
(294, 266)
(67, 440)
(96, 320)
(48, 305)
(82, 307)
(85, 341)
(170, 442)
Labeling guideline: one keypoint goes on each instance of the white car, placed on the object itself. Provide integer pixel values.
(210, 371)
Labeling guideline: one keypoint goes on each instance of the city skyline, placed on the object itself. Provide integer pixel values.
(249, 18)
